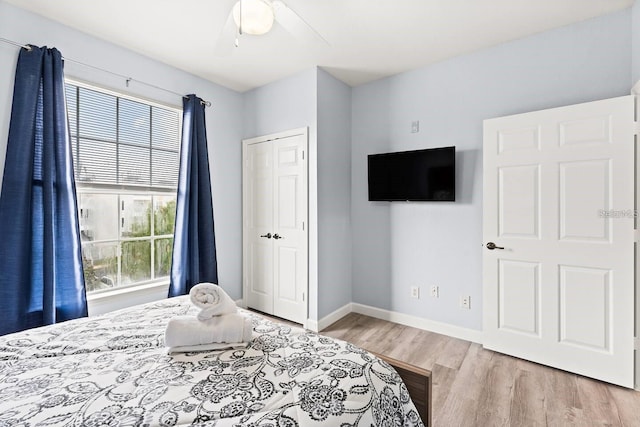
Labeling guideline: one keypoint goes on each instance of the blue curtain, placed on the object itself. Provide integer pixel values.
(194, 243)
(41, 278)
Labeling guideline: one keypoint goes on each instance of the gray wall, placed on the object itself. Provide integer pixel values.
(334, 194)
(224, 119)
(288, 103)
(399, 245)
(370, 221)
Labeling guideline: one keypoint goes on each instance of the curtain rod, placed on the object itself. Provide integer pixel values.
(126, 78)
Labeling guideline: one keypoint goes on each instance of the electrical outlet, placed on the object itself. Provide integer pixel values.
(435, 291)
(415, 292)
(465, 302)
(415, 126)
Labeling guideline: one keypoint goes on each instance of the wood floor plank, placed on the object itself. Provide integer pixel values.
(442, 378)
(527, 401)
(454, 353)
(627, 404)
(598, 404)
(497, 389)
(480, 388)
(419, 355)
(462, 403)
(562, 402)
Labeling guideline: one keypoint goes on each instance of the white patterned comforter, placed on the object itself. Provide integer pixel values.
(114, 370)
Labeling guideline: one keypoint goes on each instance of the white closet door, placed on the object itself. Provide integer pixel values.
(290, 235)
(558, 206)
(275, 196)
(258, 229)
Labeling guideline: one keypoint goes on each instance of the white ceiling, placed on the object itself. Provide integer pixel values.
(369, 39)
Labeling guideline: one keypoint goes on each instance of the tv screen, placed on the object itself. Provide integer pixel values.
(420, 175)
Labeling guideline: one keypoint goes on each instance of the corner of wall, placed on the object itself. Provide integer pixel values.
(334, 193)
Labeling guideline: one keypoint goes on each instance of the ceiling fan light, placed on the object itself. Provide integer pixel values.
(257, 16)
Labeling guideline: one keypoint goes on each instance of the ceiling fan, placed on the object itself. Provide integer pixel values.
(256, 17)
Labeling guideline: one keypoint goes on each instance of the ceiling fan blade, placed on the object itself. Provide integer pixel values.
(226, 40)
(295, 25)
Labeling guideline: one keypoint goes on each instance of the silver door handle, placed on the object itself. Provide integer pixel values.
(276, 236)
(491, 246)
(268, 235)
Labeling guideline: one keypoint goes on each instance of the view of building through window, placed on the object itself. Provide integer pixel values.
(126, 160)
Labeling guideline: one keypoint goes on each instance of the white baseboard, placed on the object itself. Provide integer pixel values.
(327, 320)
(393, 316)
(420, 323)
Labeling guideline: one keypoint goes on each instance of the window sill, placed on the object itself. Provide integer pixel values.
(116, 299)
(126, 290)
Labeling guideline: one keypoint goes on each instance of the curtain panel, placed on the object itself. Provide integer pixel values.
(42, 278)
(194, 245)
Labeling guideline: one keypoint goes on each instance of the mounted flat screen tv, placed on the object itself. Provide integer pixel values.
(421, 175)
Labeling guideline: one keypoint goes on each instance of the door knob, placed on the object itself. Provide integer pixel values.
(276, 236)
(491, 246)
(268, 235)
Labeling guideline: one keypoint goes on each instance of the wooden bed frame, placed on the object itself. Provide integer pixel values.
(418, 382)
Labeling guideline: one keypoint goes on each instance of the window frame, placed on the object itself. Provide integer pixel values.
(128, 189)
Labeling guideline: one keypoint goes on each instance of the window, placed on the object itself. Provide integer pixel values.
(126, 162)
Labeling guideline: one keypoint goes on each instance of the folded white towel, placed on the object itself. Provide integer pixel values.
(212, 300)
(206, 347)
(188, 330)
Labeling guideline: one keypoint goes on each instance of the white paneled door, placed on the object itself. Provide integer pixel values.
(558, 227)
(275, 260)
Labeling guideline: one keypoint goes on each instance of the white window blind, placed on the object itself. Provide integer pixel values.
(121, 141)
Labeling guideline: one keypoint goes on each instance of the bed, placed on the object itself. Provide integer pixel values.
(113, 370)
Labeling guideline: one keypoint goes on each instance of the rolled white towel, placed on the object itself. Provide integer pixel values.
(188, 330)
(212, 300)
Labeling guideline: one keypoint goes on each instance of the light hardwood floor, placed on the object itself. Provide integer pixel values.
(477, 387)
